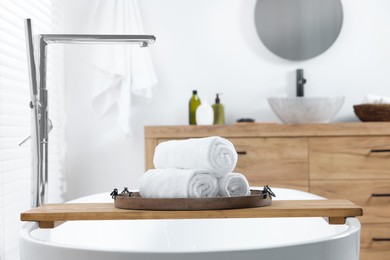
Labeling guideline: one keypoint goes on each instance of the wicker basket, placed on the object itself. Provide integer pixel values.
(372, 112)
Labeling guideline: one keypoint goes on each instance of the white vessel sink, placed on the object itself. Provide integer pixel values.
(303, 110)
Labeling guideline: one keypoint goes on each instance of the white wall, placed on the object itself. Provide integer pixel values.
(212, 46)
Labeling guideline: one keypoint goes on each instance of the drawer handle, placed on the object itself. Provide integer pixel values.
(381, 239)
(380, 151)
(241, 152)
(380, 195)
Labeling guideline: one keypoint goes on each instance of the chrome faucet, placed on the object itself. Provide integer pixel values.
(301, 81)
(41, 123)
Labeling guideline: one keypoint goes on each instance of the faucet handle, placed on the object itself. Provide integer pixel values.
(29, 137)
(300, 78)
(25, 140)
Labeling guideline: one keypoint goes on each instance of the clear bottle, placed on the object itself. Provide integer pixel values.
(219, 113)
(193, 105)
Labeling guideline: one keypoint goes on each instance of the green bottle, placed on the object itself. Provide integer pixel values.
(219, 113)
(194, 103)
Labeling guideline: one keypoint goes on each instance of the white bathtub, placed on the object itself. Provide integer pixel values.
(239, 239)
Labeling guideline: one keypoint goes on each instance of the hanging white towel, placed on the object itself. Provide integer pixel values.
(178, 183)
(124, 72)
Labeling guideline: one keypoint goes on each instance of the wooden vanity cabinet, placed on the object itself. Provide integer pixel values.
(357, 168)
(345, 160)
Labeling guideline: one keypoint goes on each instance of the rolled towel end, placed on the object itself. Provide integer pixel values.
(203, 185)
(222, 156)
(233, 185)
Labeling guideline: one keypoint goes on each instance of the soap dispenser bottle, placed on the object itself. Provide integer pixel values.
(204, 114)
(193, 105)
(219, 113)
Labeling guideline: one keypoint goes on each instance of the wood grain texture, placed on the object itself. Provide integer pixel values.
(50, 224)
(370, 231)
(277, 162)
(150, 146)
(107, 211)
(372, 254)
(374, 250)
(349, 158)
(376, 209)
(270, 130)
(336, 220)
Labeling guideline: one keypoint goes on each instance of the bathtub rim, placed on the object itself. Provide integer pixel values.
(25, 234)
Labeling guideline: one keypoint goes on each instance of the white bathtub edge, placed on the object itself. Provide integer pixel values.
(25, 237)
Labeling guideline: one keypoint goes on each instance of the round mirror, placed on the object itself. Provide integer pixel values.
(298, 29)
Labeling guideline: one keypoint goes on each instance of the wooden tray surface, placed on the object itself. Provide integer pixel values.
(51, 215)
(257, 198)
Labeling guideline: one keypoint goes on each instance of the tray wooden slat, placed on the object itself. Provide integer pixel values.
(51, 215)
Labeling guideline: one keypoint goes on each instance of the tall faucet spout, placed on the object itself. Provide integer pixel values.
(143, 40)
(39, 94)
(301, 81)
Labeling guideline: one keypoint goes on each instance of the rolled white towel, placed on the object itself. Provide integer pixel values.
(385, 100)
(215, 154)
(178, 183)
(233, 185)
(376, 99)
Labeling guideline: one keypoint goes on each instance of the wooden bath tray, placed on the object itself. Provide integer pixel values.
(51, 215)
(257, 198)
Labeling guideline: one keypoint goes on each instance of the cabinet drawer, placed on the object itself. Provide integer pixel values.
(349, 157)
(374, 254)
(371, 195)
(375, 236)
(278, 162)
(375, 242)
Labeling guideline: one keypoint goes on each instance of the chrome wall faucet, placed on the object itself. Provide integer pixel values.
(39, 94)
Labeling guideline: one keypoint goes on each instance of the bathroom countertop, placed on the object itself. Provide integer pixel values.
(270, 130)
